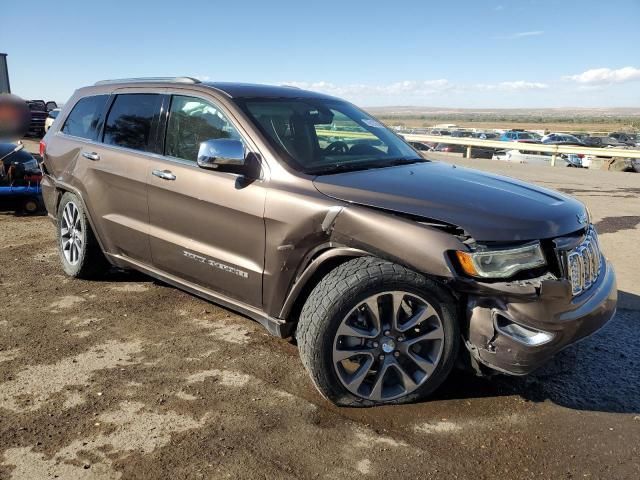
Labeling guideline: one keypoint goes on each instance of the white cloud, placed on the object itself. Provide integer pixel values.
(513, 36)
(516, 86)
(605, 76)
(414, 88)
(534, 33)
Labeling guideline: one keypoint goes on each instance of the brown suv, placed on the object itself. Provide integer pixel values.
(306, 214)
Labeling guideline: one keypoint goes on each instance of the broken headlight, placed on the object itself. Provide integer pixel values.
(502, 263)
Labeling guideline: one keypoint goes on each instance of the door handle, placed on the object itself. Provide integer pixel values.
(164, 174)
(91, 156)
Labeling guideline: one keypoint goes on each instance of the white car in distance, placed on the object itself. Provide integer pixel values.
(537, 158)
(50, 118)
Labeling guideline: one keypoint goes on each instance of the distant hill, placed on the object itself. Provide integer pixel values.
(524, 112)
(553, 119)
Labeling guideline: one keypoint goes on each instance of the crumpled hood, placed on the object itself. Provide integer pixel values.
(489, 207)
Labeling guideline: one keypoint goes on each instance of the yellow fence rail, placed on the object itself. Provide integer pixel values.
(555, 150)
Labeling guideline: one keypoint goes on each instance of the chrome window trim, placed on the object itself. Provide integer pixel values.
(154, 156)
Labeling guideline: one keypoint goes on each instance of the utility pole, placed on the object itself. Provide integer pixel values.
(5, 87)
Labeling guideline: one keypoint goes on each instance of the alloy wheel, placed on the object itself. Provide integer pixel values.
(388, 346)
(71, 235)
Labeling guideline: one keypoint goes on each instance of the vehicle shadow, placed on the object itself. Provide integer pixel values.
(115, 274)
(600, 373)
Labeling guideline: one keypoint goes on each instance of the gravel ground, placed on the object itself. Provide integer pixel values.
(129, 378)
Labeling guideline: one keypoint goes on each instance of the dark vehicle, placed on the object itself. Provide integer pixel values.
(386, 267)
(581, 136)
(462, 134)
(440, 132)
(39, 115)
(476, 152)
(603, 142)
(20, 178)
(421, 146)
(486, 135)
(630, 139)
(561, 139)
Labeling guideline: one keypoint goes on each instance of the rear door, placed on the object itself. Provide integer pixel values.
(115, 170)
(205, 227)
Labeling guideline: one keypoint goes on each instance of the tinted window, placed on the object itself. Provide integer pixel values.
(130, 118)
(85, 118)
(192, 121)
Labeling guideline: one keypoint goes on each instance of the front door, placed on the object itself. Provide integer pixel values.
(205, 227)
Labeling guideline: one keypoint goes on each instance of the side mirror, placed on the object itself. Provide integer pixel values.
(222, 154)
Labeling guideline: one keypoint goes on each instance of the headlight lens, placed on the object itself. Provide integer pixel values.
(501, 263)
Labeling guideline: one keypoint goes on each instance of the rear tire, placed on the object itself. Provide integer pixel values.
(79, 251)
(395, 361)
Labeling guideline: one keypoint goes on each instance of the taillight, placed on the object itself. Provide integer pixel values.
(581, 155)
(43, 148)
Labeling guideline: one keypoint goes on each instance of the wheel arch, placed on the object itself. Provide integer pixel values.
(61, 189)
(320, 263)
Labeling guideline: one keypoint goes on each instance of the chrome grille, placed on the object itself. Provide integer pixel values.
(584, 263)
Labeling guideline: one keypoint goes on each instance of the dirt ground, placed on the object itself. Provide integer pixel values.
(129, 378)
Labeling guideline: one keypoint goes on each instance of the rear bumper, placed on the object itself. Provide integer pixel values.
(548, 311)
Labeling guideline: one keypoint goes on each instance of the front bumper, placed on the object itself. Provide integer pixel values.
(547, 307)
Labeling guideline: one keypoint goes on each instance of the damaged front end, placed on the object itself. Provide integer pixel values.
(514, 327)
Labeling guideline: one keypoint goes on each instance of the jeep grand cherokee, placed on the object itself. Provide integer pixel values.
(305, 213)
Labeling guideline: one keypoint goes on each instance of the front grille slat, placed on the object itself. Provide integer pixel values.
(584, 263)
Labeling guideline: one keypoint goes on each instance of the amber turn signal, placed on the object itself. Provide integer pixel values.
(466, 262)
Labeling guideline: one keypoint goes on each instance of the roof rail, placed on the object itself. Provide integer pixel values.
(149, 79)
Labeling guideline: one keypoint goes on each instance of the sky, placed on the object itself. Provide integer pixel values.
(463, 53)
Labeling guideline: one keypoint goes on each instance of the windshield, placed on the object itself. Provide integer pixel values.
(321, 136)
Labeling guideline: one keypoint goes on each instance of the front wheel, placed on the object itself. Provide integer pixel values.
(374, 332)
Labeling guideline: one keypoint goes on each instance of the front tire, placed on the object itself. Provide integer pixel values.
(78, 248)
(373, 332)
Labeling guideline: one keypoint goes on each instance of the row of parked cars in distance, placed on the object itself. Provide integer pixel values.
(613, 140)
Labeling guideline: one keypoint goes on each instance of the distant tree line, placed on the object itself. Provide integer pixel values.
(628, 121)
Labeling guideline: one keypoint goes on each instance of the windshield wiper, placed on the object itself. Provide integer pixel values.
(369, 165)
(404, 161)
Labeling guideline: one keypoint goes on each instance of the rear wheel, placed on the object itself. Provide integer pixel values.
(374, 332)
(79, 251)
